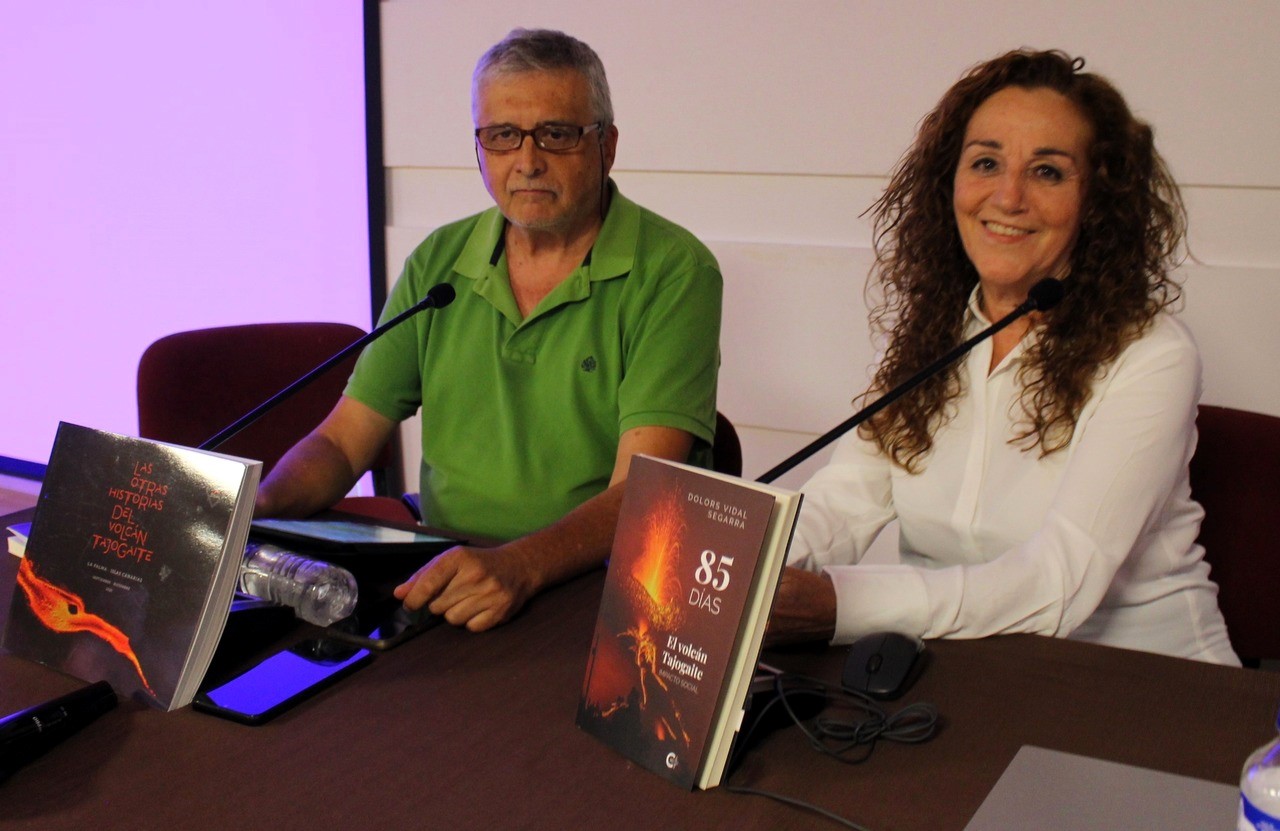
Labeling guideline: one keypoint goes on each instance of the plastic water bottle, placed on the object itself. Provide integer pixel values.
(319, 592)
(1260, 788)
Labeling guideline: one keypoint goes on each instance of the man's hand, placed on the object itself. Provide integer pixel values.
(478, 588)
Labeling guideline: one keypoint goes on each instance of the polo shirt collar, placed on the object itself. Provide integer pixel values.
(612, 255)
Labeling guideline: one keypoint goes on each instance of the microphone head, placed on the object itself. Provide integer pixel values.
(442, 294)
(1045, 294)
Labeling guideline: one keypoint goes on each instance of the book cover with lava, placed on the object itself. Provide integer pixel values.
(133, 546)
(684, 563)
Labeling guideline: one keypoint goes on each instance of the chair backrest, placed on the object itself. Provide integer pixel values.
(193, 384)
(1235, 476)
(726, 450)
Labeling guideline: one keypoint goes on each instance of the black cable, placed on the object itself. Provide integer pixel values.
(797, 803)
(837, 738)
(832, 737)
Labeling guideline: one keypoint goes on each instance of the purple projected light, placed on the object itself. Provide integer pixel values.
(168, 167)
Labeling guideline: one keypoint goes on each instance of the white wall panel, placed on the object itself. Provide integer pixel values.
(836, 87)
(1234, 226)
(424, 199)
(811, 210)
(1234, 314)
(805, 210)
(794, 343)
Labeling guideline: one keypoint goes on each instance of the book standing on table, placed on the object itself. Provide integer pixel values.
(696, 561)
(132, 561)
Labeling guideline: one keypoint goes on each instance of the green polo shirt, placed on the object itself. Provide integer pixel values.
(521, 416)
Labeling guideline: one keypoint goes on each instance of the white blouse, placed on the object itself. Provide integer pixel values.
(1094, 542)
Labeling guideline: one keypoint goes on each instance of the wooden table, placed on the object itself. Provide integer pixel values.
(463, 731)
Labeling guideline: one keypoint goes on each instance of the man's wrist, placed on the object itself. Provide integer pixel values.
(531, 562)
(547, 558)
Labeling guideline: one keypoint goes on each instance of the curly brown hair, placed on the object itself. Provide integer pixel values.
(1131, 234)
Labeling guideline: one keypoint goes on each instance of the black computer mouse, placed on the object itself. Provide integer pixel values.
(881, 664)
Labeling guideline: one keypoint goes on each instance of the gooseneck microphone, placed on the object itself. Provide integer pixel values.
(437, 297)
(1043, 295)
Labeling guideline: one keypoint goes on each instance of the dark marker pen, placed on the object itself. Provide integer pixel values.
(28, 733)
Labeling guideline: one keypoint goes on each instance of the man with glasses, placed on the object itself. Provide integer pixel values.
(585, 330)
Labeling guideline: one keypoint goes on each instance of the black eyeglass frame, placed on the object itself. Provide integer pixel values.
(581, 131)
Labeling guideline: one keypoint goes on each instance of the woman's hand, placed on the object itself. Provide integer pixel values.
(804, 610)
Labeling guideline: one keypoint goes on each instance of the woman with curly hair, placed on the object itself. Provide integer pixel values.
(1041, 483)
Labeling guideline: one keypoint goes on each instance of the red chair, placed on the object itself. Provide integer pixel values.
(1235, 476)
(193, 384)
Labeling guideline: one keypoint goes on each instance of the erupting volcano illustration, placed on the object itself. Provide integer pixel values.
(655, 580)
(626, 691)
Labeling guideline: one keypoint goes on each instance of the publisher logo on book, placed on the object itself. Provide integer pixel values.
(673, 761)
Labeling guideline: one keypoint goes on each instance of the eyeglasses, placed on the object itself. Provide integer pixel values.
(555, 138)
